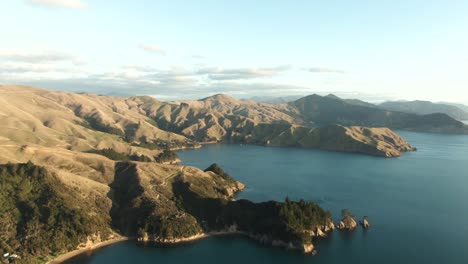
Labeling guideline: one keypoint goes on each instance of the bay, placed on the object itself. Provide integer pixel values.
(417, 204)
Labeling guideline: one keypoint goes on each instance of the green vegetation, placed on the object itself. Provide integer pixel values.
(163, 144)
(40, 216)
(286, 221)
(138, 213)
(175, 226)
(95, 124)
(114, 155)
(346, 213)
(303, 215)
(166, 156)
(141, 158)
(218, 170)
(110, 154)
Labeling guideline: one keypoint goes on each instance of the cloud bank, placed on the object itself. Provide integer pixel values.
(67, 4)
(324, 70)
(153, 49)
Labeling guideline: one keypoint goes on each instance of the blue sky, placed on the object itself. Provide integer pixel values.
(375, 50)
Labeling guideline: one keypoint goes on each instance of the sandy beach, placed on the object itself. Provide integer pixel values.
(73, 253)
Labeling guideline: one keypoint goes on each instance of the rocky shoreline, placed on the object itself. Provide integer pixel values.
(305, 248)
(346, 224)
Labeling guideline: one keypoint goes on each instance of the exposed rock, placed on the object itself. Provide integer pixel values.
(320, 233)
(144, 238)
(308, 248)
(329, 227)
(309, 232)
(347, 223)
(365, 223)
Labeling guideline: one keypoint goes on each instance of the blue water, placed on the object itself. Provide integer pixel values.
(417, 204)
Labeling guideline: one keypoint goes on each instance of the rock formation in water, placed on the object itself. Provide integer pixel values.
(347, 223)
(365, 222)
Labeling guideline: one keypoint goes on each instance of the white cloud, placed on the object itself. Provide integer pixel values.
(68, 4)
(44, 56)
(153, 49)
(242, 73)
(196, 57)
(324, 70)
(139, 67)
(32, 68)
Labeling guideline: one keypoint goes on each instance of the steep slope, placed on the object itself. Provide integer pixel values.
(424, 108)
(79, 121)
(317, 111)
(254, 111)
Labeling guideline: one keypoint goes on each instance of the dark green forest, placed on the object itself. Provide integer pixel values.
(40, 216)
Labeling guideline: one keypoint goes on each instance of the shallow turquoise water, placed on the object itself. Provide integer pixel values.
(418, 204)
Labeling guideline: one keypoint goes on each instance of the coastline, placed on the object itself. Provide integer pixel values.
(200, 144)
(194, 238)
(307, 248)
(66, 256)
(275, 243)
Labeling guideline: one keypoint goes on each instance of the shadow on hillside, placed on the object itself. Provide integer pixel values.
(125, 190)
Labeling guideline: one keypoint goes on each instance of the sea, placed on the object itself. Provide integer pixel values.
(417, 204)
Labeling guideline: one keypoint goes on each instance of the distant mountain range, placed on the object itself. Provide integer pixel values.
(454, 110)
(457, 111)
(318, 111)
(274, 99)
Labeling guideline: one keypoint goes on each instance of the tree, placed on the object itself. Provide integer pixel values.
(346, 213)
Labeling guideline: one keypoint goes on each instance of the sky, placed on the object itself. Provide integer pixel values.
(180, 49)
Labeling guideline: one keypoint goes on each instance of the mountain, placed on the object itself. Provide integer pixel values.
(461, 106)
(142, 126)
(425, 107)
(274, 99)
(317, 110)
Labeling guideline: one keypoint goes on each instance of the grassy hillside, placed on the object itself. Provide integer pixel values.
(140, 128)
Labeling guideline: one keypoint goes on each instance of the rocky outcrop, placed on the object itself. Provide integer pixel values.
(347, 223)
(320, 233)
(329, 227)
(365, 223)
(308, 248)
